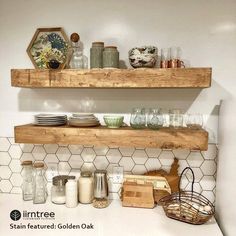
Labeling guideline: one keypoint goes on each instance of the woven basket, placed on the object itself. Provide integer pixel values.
(188, 206)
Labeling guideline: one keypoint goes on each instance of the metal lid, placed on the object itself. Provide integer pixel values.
(61, 180)
(39, 165)
(86, 174)
(98, 44)
(101, 172)
(27, 163)
(114, 47)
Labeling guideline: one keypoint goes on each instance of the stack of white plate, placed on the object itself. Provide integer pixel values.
(83, 120)
(50, 119)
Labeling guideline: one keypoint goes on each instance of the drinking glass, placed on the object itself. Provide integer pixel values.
(138, 118)
(165, 57)
(175, 61)
(176, 118)
(155, 118)
(194, 121)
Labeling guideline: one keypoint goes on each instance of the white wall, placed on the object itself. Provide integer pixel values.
(205, 30)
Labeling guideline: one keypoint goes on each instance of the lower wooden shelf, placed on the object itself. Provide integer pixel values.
(166, 138)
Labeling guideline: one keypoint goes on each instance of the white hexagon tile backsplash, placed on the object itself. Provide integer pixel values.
(71, 159)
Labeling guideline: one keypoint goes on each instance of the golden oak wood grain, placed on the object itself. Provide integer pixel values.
(112, 78)
(167, 138)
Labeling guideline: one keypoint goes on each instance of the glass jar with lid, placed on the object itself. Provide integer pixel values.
(27, 186)
(86, 185)
(58, 192)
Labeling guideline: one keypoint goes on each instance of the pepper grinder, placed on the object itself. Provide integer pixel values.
(100, 189)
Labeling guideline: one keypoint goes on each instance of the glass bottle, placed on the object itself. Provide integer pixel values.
(155, 118)
(78, 60)
(40, 193)
(138, 118)
(27, 186)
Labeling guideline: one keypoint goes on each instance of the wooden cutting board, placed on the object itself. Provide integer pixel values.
(172, 177)
(137, 195)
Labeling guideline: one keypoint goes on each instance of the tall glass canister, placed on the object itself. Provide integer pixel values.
(40, 193)
(27, 186)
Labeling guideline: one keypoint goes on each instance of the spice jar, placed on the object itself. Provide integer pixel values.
(58, 194)
(96, 54)
(110, 57)
(27, 186)
(100, 189)
(86, 185)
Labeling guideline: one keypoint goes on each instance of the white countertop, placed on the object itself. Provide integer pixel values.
(113, 221)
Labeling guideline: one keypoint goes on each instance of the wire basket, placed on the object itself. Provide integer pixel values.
(188, 206)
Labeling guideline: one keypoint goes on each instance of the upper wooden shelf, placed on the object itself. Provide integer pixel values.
(167, 138)
(112, 78)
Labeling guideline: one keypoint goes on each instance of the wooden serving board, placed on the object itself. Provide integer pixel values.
(172, 177)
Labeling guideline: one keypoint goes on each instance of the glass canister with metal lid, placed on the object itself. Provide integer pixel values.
(58, 192)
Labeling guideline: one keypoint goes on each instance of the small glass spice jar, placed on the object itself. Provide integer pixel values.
(86, 185)
(110, 57)
(58, 192)
(28, 179)
(96, 55)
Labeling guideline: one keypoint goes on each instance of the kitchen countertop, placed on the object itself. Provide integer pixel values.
(114, 220)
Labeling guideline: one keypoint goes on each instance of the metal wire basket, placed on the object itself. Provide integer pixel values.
(188, 206)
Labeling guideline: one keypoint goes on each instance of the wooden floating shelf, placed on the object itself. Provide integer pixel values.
(112, 78)
(167, 138)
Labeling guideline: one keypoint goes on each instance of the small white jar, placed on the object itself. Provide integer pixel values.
(71, 193)
(86, 185)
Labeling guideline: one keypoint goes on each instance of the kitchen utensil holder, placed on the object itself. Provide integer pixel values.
(188, 206)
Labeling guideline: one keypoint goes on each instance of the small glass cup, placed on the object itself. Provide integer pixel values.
(155, 118)
(165, 57)
(194, 121)
(138, 118)
(175, 61)
(176, 118)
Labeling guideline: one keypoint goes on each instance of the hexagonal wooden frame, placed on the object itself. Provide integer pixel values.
(39, 30)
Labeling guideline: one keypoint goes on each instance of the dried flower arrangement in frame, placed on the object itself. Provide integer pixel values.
(49, 48)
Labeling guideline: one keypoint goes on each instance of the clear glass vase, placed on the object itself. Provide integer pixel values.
(138, 118)
(155, 118)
